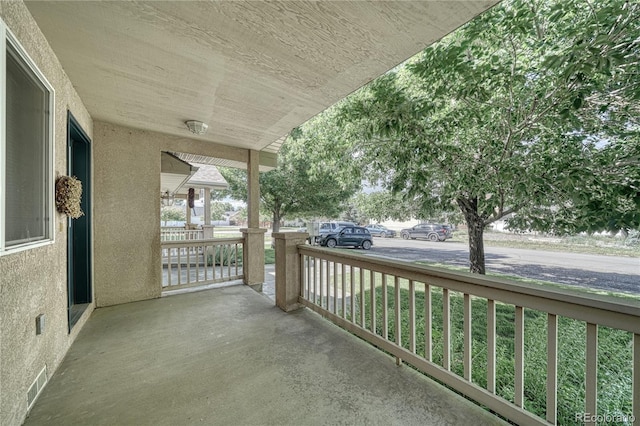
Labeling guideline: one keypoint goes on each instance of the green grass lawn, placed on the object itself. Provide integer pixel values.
(588, 244)
(269, 255)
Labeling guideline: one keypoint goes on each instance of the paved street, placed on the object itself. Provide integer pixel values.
(612, 273)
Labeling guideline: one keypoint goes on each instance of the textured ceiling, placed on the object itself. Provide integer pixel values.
(251, 70)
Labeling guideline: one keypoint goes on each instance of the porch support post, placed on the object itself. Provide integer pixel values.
(253, 191)
(253, 253)
(253, 257)
(207, 232)
(207, 206)
(288, 285)
(188, 215)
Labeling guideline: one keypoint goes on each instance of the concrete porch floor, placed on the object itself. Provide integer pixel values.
(228, 356)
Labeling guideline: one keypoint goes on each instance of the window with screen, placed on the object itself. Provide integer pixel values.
(27, 148)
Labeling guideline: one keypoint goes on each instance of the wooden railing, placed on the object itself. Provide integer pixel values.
(171, 233)
(200, 262)
(430, 318)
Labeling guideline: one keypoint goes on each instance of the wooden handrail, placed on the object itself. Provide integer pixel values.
(621, 313)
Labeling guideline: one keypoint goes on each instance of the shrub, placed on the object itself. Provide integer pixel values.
(224, 256)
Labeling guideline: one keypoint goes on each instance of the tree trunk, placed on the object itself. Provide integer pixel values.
(475, 226)
(275, 226)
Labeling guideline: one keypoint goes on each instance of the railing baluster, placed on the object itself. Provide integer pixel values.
(306, 282)
(491, 346)
(467, 337)
(237, 260)
(169, 268)
(362, 297)
(591, 380)
(206, 248)
(329, 286)
(179, 267)
(372, 284)
(316, 273)
(344, 290)
(552, 368)
(331, 296)
(519, 357)
(412, 316)
(353, 295)
(385, 308)
(303, 275)
(204, 261)
(312, 281)
(446, 330)
(428, 330)
(214, 261)
(635, 371)
(335, 288)
(188, 264)
(197, 254)
(398, 317)
(308, 279)
(228, 247)
(321, 272)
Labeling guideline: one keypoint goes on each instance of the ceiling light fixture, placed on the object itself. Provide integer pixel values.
(196, 127)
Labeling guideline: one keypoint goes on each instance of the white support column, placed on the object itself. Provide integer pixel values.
(253, 191)
(207, 206)
(253, 255)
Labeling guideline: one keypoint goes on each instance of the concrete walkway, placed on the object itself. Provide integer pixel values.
(228, 356)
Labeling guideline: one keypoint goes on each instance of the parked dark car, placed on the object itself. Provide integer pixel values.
(429, 231)
(381, 231)
(354, 236)
(327, 228)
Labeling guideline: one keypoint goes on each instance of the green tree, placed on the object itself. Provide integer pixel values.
(172, 213)
(505, 113)
(219, 209)
(383, 205)
(311, 179)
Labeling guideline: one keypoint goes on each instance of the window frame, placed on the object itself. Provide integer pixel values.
(8, 38)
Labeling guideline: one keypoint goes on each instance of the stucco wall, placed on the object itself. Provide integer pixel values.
(34, 282)
(127, 208)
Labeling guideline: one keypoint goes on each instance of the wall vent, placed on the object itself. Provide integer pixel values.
(36, 387)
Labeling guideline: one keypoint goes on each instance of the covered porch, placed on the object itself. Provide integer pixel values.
(229, 356)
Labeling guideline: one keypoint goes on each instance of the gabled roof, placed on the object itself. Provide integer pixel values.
(207, 176)
(178, 175)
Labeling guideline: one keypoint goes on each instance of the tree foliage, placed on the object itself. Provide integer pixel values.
(521, 110)
(172, 213)
(219, 210)
(313, 178)
(383, 205)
